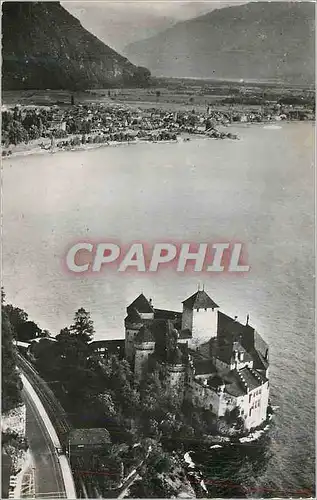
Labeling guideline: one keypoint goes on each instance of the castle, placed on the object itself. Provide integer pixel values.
(211, 359)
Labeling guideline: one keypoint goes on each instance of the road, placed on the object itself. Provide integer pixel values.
(48, 474)
(52, 406)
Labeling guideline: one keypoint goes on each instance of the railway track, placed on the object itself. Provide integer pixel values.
(52, 406)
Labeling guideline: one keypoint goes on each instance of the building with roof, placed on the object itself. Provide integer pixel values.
(107, 347)
(87, 441)
(199, 317)
(211, 359)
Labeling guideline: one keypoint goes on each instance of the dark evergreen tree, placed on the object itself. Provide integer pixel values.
(83, 325)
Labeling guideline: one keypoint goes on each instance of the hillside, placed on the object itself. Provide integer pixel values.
(255, 41)
(44, 46)
(118, 23)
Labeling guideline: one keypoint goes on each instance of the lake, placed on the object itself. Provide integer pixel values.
(259, 190)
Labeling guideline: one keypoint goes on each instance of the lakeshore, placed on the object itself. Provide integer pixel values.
(45, 148)
(217, 170)
(31, 129)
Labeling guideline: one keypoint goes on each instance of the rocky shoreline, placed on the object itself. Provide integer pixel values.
(218, 442)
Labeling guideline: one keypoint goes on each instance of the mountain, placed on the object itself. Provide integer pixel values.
(122, 22)
(117, 23)
(256, 41)
(44, 46)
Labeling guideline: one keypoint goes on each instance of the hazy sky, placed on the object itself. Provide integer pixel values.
(120, 22)
(177, 9)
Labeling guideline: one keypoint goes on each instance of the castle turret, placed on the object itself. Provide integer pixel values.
(139, 310)
(144, 347)
(200, 317)
(176, 374)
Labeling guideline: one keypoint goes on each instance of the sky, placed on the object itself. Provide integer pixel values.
(120, 22)
(177, 9)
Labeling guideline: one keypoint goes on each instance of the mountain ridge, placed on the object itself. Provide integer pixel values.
(44, 46)
(258, 40)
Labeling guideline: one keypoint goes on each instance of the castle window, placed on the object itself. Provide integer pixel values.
(250, 412)
(250, 396)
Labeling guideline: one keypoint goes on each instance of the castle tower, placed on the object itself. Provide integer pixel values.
(176, 375)
(139, 310)
(144, 347)
(200, 317)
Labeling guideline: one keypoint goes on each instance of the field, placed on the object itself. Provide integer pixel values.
(170, 94)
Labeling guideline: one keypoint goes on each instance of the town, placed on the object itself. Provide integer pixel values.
(89, 124)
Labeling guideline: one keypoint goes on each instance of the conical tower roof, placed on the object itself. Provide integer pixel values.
(200, 300)
(141, 304)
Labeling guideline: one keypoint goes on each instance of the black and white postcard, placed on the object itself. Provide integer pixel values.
(158, 220)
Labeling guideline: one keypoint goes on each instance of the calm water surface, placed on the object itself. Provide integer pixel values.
(258, 190)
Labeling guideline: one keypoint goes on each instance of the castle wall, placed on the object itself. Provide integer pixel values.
(256, 406)
(205, 323)
(130, 333)
(241, 364)
(225, 368)
(142, 353)
(221, 366)
(228, 403)
(205, 397)
(252, 406)
(187, 319)
(175, 382)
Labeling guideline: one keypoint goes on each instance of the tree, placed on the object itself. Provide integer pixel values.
(11, 382)
(142, 76)
(83, 325)
(16, 317)
(17, 133)
(158, 94)
(233, 418)
(44, 355)
(7, 118)
(27, 330)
